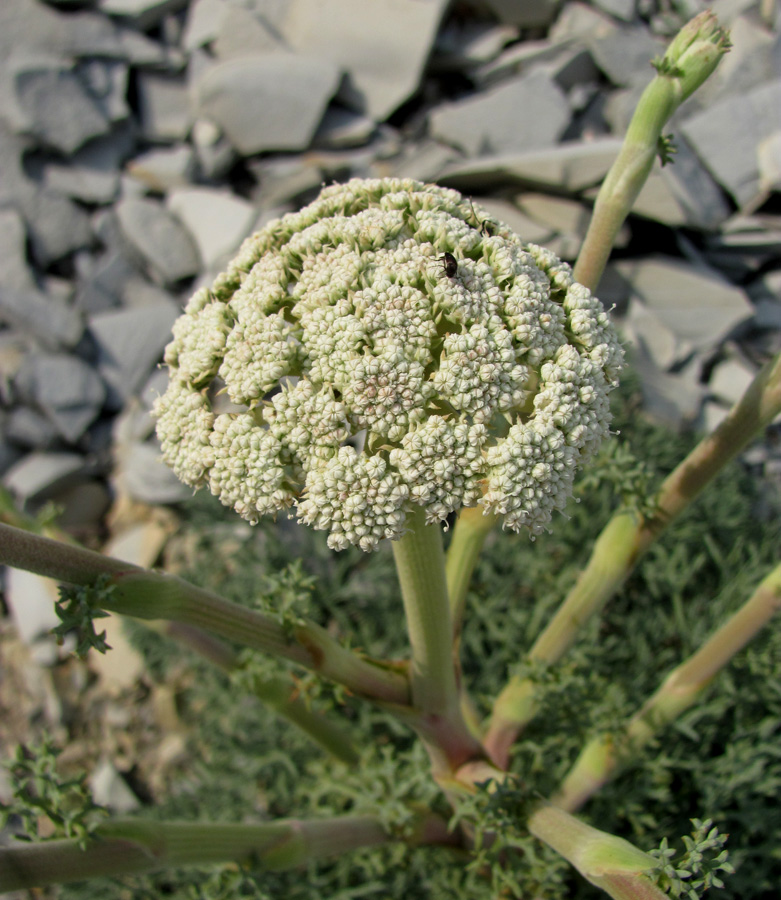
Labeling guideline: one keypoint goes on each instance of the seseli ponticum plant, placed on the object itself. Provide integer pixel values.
(369, 384)
(388, 362)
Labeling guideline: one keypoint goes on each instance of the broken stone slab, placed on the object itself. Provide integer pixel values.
(159, 239)
(727, 137)
(626, 10)
(626, 53)
(90, 175)
(342, 128)
(29, 428)
(130, 343)
(217, 219)
(381, 46)
(164, 106)
(661, 345)
(730, 379)
(14, 272)
(698, 305)
(467, 44)
(214, 153)
(142, 14)
(489, 123)
(242, 33)
(56, 226)
(144, 477)
(164, 168)
(101, 280)
(675, 400)
(31, 601)
(49, 320)
(67, 390)
(580, 22)
(109, 788)
(530, 14)
(202, 26)
(270, 102)
(520, 58)
(52, 102)
(571, 167)
(40, 476)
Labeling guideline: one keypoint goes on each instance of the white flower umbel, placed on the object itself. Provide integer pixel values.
(375, 379)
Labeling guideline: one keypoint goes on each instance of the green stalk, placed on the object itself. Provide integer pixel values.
(691, 57)
(420, 564)
(602, 756)
(608, 862)
(151, 595)
(624, 540)
(129, 846)
(471, 530)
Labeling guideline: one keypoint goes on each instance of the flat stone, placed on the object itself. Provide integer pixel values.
(164, 106)
(727, 137)
(626, 10)
(204, 18)
(572, 167)
(522, 224)
(471, 43)
(217, 219)
(159, 239)
(164, 168)
(342, 127)
(53, 103)
(14, 272)
(51, 321)
(381, 46)
(92, 174)
(730, 379)
(30, 428)
(143, 14)
(488, 122)
(101, 280)
(242, 33)
(65, 389)
(643, 326)
(625, 53)
(558, 214)
(145, 477)
(130, 343)
(31, 601)
(675, 400)
(696, 304)
(56, 225)
(271, 102)
(529, 14)
(108, 787)
(214, 153)
(580, 22)
(38, 476)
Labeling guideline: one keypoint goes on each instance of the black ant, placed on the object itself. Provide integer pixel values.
(449, 264)
(486, 228)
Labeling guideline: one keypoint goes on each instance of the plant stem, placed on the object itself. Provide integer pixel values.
(624, 540)
(471, 530)
(691, 57)
(608, 862)
(420, 564)
(151, 595)
(602, 756)
(132, 846)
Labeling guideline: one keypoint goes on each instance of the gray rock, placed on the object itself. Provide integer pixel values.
(65, 389)
(92, 174)
(56, 226)
(570, 167)
(241, 33)
(625, 53)
(530, 14)
(29, 428)
(31, 600)
(489, 123)
(468, 44)
(730, 379)
(14, 271)
(130, 342)
(520, 58)
(51, 321)
(53, 103)
(217, 219)
(343, 128)
(164, 168)
(382, 46)
(204, 18)
(271, 102)
(39, 476)
(727, 136)
(107, 82)
(110, 789)
(159, 239)
(213, 151)
(696, 304)
(101, 280)
(143, 14)
(580, 22)
(146, 478)
(625, 10)
(164, 106)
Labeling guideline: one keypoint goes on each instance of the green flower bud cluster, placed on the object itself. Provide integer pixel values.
(367, 374)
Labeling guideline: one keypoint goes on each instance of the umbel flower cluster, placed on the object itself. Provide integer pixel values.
(388, 346)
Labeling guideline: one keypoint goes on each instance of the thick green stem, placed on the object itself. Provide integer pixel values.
(601, 757)
(471, 530)
(608, 862)
(420, 563)
(690, 59)
(133, 846)
(152, 595)
(624, 540)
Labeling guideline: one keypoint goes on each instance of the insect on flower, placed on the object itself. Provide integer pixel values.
(484, 227)
(449, 264)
